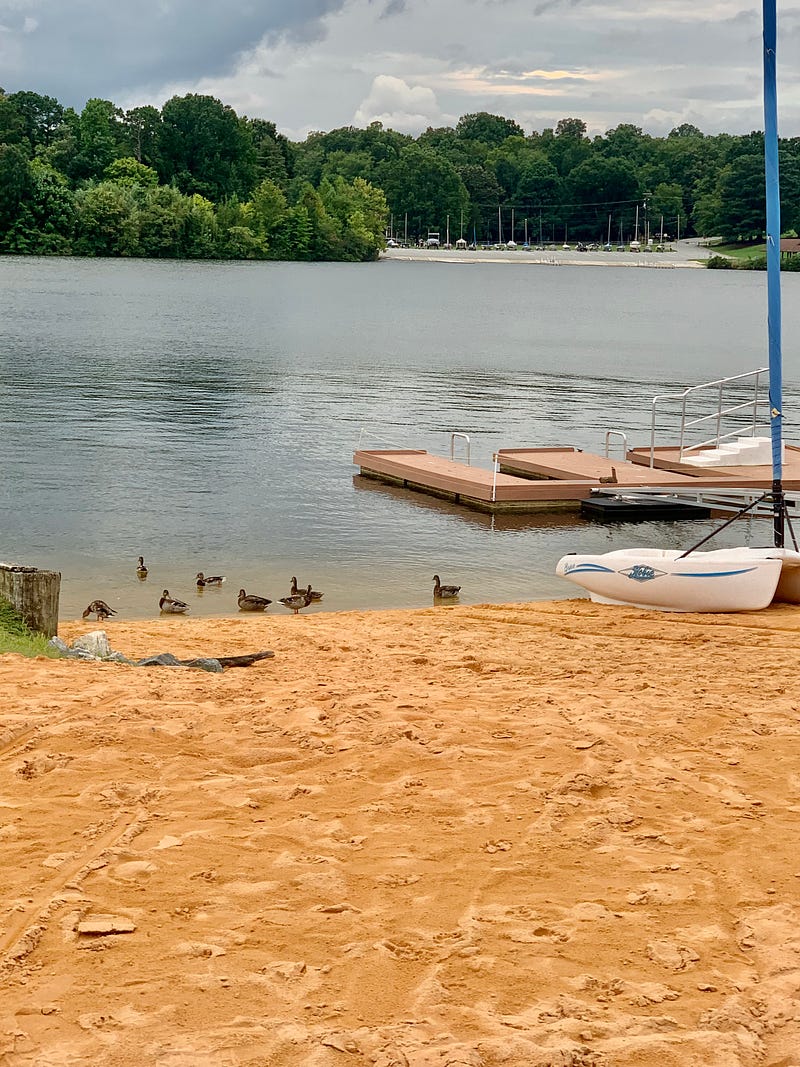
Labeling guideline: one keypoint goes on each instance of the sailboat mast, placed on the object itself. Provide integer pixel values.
(773, 264)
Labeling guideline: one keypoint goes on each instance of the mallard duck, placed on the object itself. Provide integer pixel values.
(141, 570)
(252, 602)
(295, 602)
(202, 581)
(100, 609)
(444, 591)
(170, 606)
(312, 594)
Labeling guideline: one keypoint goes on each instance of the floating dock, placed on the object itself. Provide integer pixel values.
(558, 479)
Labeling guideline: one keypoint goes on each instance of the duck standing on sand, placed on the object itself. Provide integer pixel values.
(295, 602)
(170, 606)
(444, 592)
(100, 609)
(202, 581)
(141, 570)
(312, 594)
(252, 602)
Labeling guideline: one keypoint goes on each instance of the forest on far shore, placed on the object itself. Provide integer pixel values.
(195, 180)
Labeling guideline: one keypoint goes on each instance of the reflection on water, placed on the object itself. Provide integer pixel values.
(501, 521)
(205, 416)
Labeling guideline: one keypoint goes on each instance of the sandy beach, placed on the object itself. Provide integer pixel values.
(533, 835)
(691, 252)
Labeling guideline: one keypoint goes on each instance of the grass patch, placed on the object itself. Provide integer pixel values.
(741, 250)
(16, 637)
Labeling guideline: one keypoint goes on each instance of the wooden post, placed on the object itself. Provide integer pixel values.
(33, 594)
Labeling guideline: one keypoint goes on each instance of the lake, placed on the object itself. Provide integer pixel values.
(204, 415)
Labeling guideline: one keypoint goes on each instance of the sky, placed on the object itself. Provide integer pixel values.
(321, 64)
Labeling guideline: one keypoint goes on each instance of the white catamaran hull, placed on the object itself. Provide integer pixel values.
(728, 579)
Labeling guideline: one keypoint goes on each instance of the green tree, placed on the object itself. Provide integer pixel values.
(487, 128)
(201, 231)
(97, 140)
(426, 186)
(273, 152)
(107, 222)
(325, 237)
(205, 148)
(162, 214)
(42, 116)
(142, 127)
(46, 219)
(129, 171)
(267, 207)
(361, 214)
(12, 123)
(16, 184)
(482, 188)
(293, 236)
(742, 198)
(348, 165)
(569, 146)
(599, 185)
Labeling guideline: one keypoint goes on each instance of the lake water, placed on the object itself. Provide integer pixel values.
(204, 415)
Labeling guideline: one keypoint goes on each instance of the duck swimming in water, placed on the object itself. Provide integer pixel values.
(252, 602)
(202, 581)
(169, 605)
(444, 591)
(100, 609)
(141, 570)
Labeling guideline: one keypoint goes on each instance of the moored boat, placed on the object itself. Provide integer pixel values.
(724, 580)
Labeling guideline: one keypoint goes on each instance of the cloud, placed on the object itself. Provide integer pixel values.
(320, 64)
(399, 106)
(76, 50)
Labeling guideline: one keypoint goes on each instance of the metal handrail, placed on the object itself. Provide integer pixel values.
(715, 416)
(618, 433)
(463, 437)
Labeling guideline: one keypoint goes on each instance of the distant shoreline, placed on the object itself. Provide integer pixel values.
(688, 253)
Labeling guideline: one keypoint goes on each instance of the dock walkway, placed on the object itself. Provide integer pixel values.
(548, 479)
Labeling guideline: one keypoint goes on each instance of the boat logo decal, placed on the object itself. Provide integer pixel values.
(642, 573)
(584, 568)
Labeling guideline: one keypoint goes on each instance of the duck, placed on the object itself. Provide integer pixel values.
(171, 606)
(610, 479)
(444, 591)
(141, 570)
(100, 609)
(309, 592)
(252, 602)
(296, 601)
(202, 581)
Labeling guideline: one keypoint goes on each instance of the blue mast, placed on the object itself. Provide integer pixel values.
(773, 263)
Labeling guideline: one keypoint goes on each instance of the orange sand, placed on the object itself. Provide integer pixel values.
(544, 835)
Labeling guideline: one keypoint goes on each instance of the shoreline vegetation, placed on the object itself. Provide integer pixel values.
(16, 637)
(513, 833)
(194, 180)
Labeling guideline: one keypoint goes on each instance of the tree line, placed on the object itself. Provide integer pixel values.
(195, 180)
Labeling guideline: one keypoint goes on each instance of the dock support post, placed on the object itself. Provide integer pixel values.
(496, 462)
(33, 594)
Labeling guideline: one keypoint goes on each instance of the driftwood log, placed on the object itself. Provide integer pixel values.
(233, 661)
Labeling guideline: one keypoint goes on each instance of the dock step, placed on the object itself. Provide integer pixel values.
(744, 452)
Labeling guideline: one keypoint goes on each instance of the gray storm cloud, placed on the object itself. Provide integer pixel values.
(99, 48)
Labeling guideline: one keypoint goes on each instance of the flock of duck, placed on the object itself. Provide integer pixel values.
(296, 600)
(169, 605)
